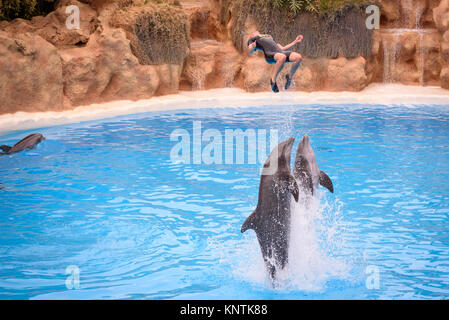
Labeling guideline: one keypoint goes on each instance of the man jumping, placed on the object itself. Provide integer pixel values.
(276, 54)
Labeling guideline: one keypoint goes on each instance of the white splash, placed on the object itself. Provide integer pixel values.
(315, 241)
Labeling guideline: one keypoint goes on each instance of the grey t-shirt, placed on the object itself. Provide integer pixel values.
(265, 43)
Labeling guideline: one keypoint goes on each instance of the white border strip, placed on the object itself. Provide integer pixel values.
(218, 98)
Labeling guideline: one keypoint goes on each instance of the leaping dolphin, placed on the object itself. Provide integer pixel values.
(306, 169)
(271, 218)
(26, 143)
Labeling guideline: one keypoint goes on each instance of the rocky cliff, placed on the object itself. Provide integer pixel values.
(441, 18)
(411, 49)
(46, 66)
(137, 49)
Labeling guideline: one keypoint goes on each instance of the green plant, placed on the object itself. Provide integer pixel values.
(158, 31)
(11, 9)
(295, 6)
(314, 6)
(163, 34)
(25, 9)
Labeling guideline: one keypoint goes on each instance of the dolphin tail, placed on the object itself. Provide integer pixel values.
(250, 222)
(5, 148)
(326, 182)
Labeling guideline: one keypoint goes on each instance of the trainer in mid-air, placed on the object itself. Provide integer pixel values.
(276, 54)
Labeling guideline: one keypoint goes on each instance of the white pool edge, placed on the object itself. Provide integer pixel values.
(231, 97)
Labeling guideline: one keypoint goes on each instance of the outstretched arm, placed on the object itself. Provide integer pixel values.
(252, 48)
(297, 40)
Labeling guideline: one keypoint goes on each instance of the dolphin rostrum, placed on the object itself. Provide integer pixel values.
(26, 143)
(271, 218)
(306, 169)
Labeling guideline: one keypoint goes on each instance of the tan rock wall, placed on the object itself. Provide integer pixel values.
(53, 28)
(408, 14)
(106, 70)
(66, 68)
(410, 43)
(31, 74)
(45, 66)
(211, 64)
(339, 74)
(441, 18)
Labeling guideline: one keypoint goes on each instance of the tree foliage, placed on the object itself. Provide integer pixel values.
(314, 6)
(25, 9)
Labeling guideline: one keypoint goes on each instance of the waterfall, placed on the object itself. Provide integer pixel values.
(421, 58)
(411, 18)
(198, 77)
(411, 13)
(421, 55)
(418, 15)
(390, 55)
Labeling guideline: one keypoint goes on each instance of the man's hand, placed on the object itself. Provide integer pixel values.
(252, 47)
(299, 38)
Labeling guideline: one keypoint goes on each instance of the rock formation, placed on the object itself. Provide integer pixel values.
(135, 49)
(213, 62)
(106, 70)
(409, 43)
(31, 74)
(441, 18)
(46, 66)
(53, 28)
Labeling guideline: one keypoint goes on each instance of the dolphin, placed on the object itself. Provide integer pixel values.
(271, 218)
(306, 169)
(26, 143)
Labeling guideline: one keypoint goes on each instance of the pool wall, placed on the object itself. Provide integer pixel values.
(374, 94)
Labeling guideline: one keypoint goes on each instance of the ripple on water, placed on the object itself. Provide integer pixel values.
(104, 196)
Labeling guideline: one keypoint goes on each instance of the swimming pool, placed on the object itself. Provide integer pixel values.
(102, 202)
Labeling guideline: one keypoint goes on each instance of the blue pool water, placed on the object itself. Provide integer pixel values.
(103, 199)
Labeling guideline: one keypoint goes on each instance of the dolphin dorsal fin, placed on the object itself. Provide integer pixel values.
(250, 222)
(326, 182)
